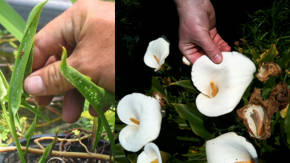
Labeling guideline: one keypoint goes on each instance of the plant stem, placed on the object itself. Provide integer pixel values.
(60, 153)
(13, 131)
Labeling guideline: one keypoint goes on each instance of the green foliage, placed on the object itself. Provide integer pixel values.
(287, 127)
(184, 130)
(47, 152)
(98, 97)
(20, 67)
(195, 120)
(11, 20)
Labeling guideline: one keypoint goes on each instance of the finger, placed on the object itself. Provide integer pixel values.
(43, 100)
(48, 41)
(210, 48)
(190, 52)
(93, 112)
(72, 106)
(47, 81)
(222, 45)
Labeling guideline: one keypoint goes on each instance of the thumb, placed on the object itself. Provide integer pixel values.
(47, 81)
(210, 49)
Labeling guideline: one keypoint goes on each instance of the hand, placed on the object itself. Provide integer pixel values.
(197, 31)
(87, 30)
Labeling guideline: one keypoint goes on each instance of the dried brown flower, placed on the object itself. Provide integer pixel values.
(257, 115)
(266, 70)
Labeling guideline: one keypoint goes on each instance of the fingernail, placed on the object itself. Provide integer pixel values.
(34, 85)
(217, 58)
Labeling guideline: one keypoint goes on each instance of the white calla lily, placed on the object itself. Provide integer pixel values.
(230, 148)
(142, 114)
(221, 85)
(151, 154)
(156, 53)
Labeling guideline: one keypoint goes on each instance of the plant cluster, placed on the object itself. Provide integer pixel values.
(185, 131)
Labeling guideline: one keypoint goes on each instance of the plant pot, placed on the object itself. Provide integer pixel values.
(102, 148)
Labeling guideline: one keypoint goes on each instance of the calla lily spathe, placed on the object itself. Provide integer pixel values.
(151, 154)
(221, 85)
(230, 148)
(142, 114)
(156, 53)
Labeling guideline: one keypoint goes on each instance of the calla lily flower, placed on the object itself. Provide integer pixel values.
(151, 154)
(221, 85)
(230, 148)
(143, 118)
(156, 53)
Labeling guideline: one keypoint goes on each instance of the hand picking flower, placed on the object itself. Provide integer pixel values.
(221, 85)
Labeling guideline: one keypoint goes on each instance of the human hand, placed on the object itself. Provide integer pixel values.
(197, 32)
(87, 30)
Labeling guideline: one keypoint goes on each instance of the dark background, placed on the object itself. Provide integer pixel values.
(138, 22)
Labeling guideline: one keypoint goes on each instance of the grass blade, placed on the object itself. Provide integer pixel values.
(16, 83)
(3, 86)
(30, 132)
(22, 59)
(11, 20)
(98, 133)
(47, 152)
(98, 97)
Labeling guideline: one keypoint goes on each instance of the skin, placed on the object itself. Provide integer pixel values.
(197, 32)
(87, 30)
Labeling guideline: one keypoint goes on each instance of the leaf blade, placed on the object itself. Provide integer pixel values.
(196, 122)
(11, 20)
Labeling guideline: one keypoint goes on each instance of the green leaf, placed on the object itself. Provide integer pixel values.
(47, 152)
(98, 133)
(11, 20)
(287, 127)
(30, 132)
(186, 84)
(186, 112)
(20, 67)
(268, 55)
(73, 1)
(34, 110)
(22, 59)
(3, 86)
(98, 97)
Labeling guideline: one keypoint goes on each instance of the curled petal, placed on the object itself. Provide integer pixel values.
(151, 154)
(156, 53)
(143, 116)
(266, 70)
(221, 85)
(230, 148)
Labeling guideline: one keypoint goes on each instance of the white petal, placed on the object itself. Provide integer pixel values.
(185, 61)
(146, 110)
(151, 152)
(232, 77)
(229, 148)
(158, 48)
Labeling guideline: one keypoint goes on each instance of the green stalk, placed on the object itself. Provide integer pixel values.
(98, 97)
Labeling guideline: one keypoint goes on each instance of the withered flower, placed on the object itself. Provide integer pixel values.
(266, 70)
(258, 113)
(160, 98)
